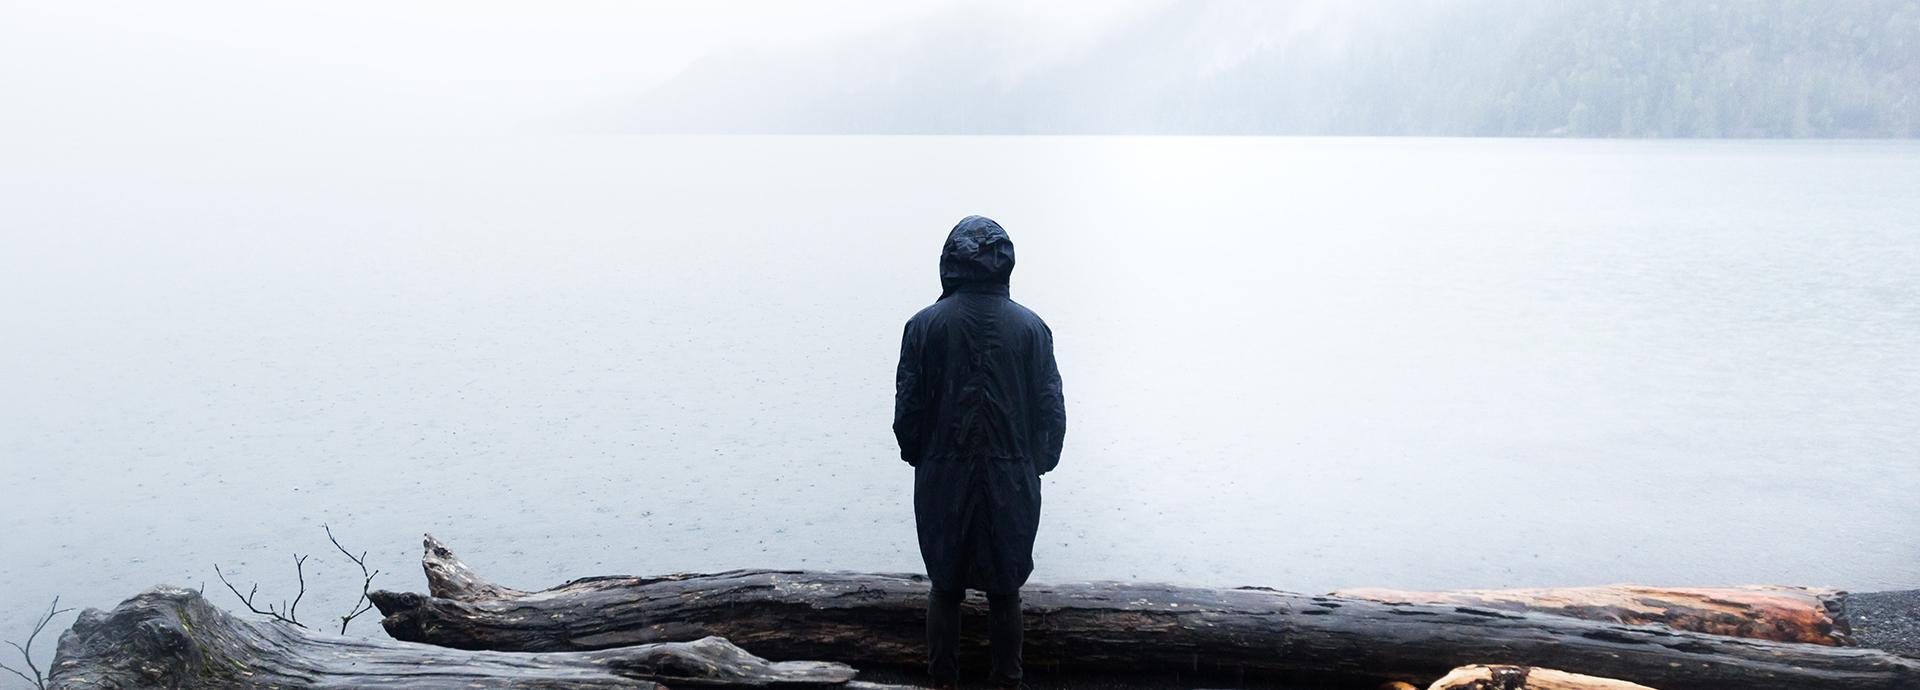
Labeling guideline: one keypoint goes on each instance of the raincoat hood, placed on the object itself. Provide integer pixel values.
(978, 252)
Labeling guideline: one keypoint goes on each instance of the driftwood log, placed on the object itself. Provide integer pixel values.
(172, 638)
(878, 619)
(1764, 612)
(1479, 677)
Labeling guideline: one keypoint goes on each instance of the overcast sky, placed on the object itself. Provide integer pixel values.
(1632, 68)
(408, 66)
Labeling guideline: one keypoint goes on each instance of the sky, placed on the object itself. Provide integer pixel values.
(407, 66)
(1596, 68)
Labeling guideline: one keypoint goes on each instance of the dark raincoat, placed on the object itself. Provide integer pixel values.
(979, 413)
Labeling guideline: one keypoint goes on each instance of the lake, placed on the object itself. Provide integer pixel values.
(1300, 363)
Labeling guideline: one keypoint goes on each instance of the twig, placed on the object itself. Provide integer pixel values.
(247, 599)
(290, 612)
(300, 570)
(365, 602)
(26, 651)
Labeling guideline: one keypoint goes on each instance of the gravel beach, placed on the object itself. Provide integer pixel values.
(1886, 620)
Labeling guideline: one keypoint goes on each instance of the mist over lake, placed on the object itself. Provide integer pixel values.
(1416, 363)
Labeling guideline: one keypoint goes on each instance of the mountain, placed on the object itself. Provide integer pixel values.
(1588, 68)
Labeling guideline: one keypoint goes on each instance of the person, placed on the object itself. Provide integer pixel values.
(979, 414)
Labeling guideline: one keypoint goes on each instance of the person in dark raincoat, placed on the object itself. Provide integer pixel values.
(979, 413)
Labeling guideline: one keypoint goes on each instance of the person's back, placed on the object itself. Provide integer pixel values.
(979, 413)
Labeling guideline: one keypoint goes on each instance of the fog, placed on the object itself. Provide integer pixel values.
(1667, 362)
(227, 67)
(1634, 68)
(529, 276)
(1603, 68)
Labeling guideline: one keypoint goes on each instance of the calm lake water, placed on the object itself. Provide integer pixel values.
(1300, 363)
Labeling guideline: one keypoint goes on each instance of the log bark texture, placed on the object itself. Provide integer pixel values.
(1764, 612)
(1481, 677)
(878, 619)
(173, 638)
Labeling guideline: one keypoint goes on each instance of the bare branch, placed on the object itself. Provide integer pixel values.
(364, 603)
(300, 570)
(26, 651)
(32, 681)
(289, 612)
(247, 599)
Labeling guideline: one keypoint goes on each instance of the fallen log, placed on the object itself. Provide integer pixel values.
(1765, 612)
(170, 638)
(1482, 677)
(878, 619)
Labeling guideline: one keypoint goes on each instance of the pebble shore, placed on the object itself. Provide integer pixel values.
(1886, 620)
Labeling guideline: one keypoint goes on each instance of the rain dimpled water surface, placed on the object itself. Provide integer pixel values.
(1299, 363)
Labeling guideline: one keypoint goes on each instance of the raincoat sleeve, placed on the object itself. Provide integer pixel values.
(909, 398)
(1052, 406)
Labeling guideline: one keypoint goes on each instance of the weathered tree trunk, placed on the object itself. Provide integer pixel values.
(172, 638)
(878, 619)
(1764, 612)
(1479, 677)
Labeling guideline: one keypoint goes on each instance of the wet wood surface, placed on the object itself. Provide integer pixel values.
(1481, 677)
(1764, 612)
(173, 638)
(878, 619)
